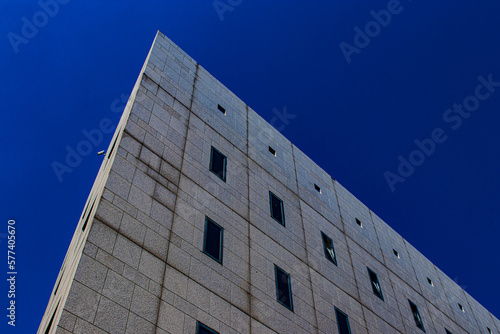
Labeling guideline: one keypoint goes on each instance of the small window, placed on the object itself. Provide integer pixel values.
(218, 163)
(396, 253)
(49, 326)
(359, 222)
(430, 281)
(283, 288)
(416, 316)
(447, 331)
(328, 248)
(342, 322)
(212, 243)
(489, 330)
(273, 152)
(112, 147)
(377, 290)
(318, 189)
(202, 329)
(277, 209)
(222, 110)
(84, 226)
(461, 307)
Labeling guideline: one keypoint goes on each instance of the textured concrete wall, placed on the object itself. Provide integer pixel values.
(141, 267)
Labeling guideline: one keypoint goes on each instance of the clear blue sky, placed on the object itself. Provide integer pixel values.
(353, 118)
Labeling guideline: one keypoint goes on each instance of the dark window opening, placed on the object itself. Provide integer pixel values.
(489, 330)
(202, 329)
(273, 152)
(218, 162)
(49, 326)
(212, 242)
(112, 147)
(396, 253)
(329, 249)
(461, 307)
(88, 216)
(416, 316)
(342, 322)
(221, 109)
(277, 208)
(447, 331)
(377, 290)
(359, 222)
(430, 281)
(318, 189)
(283, 288)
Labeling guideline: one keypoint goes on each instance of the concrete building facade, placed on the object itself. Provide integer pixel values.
(205, 219)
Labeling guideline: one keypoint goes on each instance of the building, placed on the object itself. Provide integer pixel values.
(204, 219)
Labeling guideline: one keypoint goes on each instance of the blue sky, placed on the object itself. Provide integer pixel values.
(360, 100)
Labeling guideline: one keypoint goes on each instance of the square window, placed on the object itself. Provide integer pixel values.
(277, 211)
(342, 322)
(283, 288)
(218, 162)
(328, 248)
(273, 152)
(377, 290)
(318, 189)
(430, 281)
(222, 110)
(461, 307)
(202, 329)
(212, 242)
(416, 316)
(359, 222)
(396, 253)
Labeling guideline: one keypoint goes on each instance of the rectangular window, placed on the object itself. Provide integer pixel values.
(112, 147)
(277, 208)
(88, 216)
(272, 151)
(447, 331)
(461, 307)
(202, 329)
(396, 253)
(377, 290)
(342, 322)
(222, 110)
(328, 248)
(49, 326)
(416, 316)
(489, 330)
(212, 243)
(430, 281)
(283, 288)
(318, 189)
(218, 163)
(359, 222)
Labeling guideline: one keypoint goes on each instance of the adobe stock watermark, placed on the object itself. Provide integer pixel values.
(363, 38)
(282, 117)
(30, 28)
(93, 138)
(223, 6)
(453, 117)
(463, 286)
